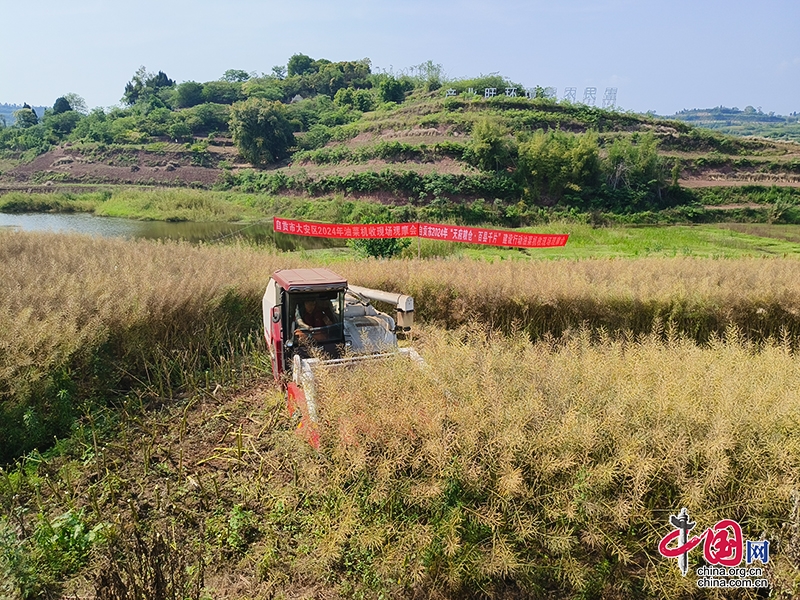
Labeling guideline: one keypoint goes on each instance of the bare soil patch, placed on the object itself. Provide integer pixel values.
(732, 206)
(126, 166)
(790, 233)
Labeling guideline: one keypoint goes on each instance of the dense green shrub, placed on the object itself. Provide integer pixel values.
(555, 163)
(490, 148)
(261, 130)
(188, 94)
(391, 90)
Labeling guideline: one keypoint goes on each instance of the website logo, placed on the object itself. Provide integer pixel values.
(723, 551)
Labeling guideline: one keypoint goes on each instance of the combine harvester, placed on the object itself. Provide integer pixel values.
(310, 313)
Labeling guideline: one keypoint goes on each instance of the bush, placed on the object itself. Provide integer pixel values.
(222, 92)
(490, 148)
(261, 130)
(379, 248)
(206, 118)
(555, 163)
(391, 90)
(188, 94)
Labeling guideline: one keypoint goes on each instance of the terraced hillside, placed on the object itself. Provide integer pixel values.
(428, 133)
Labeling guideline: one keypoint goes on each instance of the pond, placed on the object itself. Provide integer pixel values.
(258, 233)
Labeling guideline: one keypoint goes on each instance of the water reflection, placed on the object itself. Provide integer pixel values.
(260, 233)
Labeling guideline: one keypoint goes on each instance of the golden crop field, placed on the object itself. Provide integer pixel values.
(566, 409)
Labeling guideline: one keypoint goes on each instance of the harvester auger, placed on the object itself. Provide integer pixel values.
(313, 317)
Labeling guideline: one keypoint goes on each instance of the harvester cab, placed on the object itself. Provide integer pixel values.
(313, 317)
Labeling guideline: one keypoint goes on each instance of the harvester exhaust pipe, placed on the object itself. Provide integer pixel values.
(404, 305)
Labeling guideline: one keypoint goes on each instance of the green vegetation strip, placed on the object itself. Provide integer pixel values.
(254, 199)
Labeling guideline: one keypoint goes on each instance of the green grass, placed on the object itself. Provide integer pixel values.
(711, 241)
(586, 242)
(6, 164)
(166, 204)
(178, 205)
(679, 240)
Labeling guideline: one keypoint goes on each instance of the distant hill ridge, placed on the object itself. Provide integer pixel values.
(750, 121)
(723, 113)
(7, 111)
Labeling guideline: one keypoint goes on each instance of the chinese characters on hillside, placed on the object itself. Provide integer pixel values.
(551, 93)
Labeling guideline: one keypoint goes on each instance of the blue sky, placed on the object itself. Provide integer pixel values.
(662, 56)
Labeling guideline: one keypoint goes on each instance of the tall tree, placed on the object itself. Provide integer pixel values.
(144, 85)
(61, 106)
(391, 90)
(261, 131)
(300, 64)
(25, 117)
(77, 103)
(235, 76)
(189, 93)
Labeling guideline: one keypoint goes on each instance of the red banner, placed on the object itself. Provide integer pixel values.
(491, 237)
(451, 233)
(387, 230)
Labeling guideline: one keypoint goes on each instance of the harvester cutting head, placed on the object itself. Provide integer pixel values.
(312, 317)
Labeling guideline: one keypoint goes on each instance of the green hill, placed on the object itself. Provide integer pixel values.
(472, 150)
(748, 122)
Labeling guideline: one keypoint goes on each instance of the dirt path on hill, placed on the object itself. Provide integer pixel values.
(703, 182)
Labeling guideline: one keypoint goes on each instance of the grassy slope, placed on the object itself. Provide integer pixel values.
(430, 120)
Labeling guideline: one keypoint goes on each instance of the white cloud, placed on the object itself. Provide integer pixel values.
(787, 65)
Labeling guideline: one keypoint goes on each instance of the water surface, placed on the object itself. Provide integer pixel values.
(88, 224)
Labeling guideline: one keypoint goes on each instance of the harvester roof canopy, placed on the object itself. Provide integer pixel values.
(309, 280)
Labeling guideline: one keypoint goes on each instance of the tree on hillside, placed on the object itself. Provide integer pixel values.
(634, 163)
(429, 74)
(362, 100)
(235, 76)
(261, 131)
(61, 105)
(143, 85)
(490, 148)
(391, 90)
(556, 163)
(300, 64)
(269, 88)
(77, 103)
(222, 92)
(188, 94)
(61, 124)
(25, 117)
